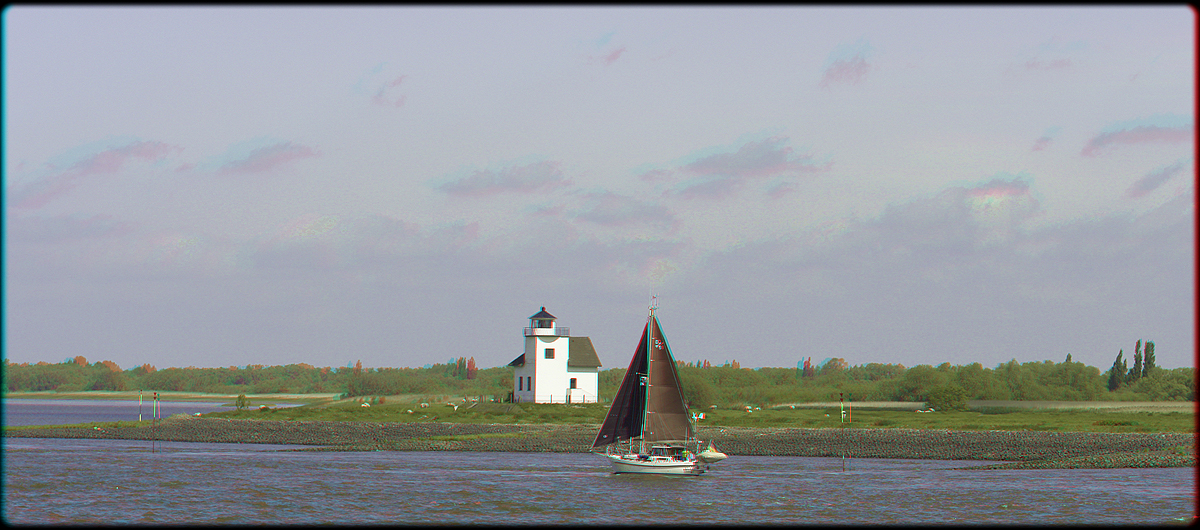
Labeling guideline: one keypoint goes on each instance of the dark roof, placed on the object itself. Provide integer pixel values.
(582, 354)
(542, 315)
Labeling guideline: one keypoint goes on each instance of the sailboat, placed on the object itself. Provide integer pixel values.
(648, 428)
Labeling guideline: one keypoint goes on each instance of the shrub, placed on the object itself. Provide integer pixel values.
(947, 397)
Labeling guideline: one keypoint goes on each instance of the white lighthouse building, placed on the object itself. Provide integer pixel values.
(556, 367)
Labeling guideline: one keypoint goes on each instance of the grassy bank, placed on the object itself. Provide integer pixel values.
(1033, 449)
(175, 396)
(1056, 417)
(1007, 419)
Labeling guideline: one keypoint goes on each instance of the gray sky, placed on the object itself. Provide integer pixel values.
(228, 186)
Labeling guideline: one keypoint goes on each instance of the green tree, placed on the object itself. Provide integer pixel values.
(1116, 375)
(242, 402)
(1135, 373)
(698, 393)
(109, 380)
(947, 397)
(917, 382)
(1148, 362)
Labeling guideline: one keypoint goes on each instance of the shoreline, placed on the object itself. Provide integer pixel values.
(1016, 449)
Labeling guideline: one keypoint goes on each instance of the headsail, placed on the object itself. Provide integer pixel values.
(666, 415)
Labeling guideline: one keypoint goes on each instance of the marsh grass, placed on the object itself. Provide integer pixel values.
(483, 436)
(95, 424)
(1001, 419)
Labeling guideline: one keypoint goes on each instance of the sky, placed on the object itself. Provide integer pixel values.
(223, 186)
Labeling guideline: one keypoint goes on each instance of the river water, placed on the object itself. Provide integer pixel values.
(68, 481)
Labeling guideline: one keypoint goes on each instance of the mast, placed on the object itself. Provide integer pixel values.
(649, 370)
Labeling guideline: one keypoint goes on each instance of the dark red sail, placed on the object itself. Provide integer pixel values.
(624, 420)
(667, 417)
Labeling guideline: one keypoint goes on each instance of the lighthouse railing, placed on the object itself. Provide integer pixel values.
(558, 331)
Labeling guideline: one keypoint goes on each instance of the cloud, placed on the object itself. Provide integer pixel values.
(1154, 179)
(723, 174)
(708, 187)
(43, 190)
(64, 228)
(957, 220)
(1140, 133)
(846, 71)
(917, 273)
(755, 159)
(268, 158)
(334, 242)
(610, 209)
(847, 64)
(657, 175)
(530, 178)
(387, 94)
(779, 189)
(613, 56)
(608, 58)
(1047, 138)
(382, 89)
(1057, 64)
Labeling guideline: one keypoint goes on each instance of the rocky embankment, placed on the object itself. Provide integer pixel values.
(1023, 449)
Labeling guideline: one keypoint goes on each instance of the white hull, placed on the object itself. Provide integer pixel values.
(657, 466)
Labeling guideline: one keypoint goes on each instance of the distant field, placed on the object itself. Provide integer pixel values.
(174, 396)
(1112, 406)
(1106, 406)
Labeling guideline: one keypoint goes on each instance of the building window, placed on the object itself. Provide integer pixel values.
(549, 353)
(574, 382)
(529, 383)
(520, 384)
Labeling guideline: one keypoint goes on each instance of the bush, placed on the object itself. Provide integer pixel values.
(947, 397)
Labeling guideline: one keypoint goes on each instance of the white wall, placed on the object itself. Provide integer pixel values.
(549, 375)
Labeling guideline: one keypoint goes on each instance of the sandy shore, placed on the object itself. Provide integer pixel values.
(1025, 449)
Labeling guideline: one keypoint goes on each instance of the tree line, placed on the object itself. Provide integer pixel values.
(704, 384)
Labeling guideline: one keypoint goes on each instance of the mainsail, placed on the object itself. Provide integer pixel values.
(649, 404)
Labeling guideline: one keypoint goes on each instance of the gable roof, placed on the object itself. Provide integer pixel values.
(582, 354)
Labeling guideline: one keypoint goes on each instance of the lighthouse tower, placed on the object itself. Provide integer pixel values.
(556, 367)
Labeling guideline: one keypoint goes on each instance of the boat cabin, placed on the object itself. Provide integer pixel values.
(667, 452)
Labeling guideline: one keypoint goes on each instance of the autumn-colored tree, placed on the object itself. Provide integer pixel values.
(834, 365)
(735, 365)
(112, 367)
(809, 371)
(471, 368)
(358, 368)
(80, 360)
